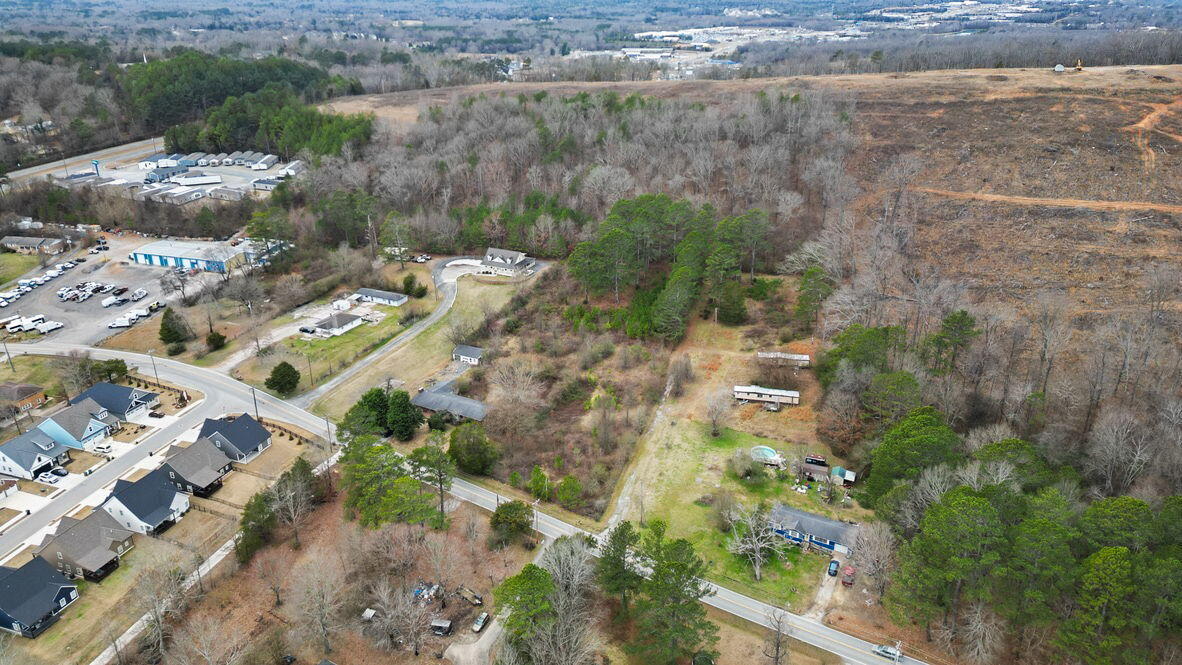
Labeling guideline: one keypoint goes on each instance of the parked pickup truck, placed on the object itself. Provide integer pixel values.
(139, 294)
(121, 322)
(469, 595)
(110, 300)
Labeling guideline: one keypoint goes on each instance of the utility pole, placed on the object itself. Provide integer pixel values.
(311, 376)
(254, 397)
(8, 355)
(152, 355)
(328, 432)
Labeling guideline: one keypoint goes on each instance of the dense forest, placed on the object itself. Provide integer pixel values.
(272, 120)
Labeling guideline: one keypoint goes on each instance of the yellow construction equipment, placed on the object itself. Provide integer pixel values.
(1079, 65)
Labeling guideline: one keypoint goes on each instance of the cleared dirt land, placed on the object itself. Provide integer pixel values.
(1034, 183)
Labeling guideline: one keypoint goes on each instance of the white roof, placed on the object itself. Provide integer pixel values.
(208, 251)
(766, 391)
(781, 354)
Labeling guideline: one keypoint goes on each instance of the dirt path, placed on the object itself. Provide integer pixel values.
(1107, 206)
(1142, 127)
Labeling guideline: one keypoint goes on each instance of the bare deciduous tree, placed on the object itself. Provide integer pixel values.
(1119, 451)
(398, 618)
(874, 554)
(753, 538)
(272, 570)
(203, 640)
(518, 382)
(570, 637)
(292, 501)
(318, 584)
(775, 646)
(681, 373)
(718, 405)
(983, 634)
(159, 594)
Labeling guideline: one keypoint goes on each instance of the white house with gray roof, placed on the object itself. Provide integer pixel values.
(506, 262)
(31, 454)
(91, 547)
(338, 324)
(469, 355)
(149, 505)
(381, 297)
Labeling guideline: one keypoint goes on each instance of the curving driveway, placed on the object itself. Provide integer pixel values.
(445, 274)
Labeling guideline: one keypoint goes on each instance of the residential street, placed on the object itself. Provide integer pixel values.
(226, 394)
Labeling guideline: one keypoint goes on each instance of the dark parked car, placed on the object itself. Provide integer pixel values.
(155, 414)
(120, 291)
(80, 259)
(833, 566)
(60, 472)
(308, 330)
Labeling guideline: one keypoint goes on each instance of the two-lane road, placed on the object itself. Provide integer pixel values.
(226, 394)
(121, 154)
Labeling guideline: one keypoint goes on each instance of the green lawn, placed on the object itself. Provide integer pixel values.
(325, 356)
(14, 265)
(695, 472)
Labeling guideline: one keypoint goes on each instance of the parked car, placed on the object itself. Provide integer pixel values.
(119, 323)
(80, 259)
(441, 627)
(47, 478)
(109, 301)
(308, 330)
(119, 291)
(155, 414)
(93, 250)
(480, 622)
(59, 472)
(107, 288)
(104, 448)
(139, 294)
(834, 565)
(155, 306)
(888, 652)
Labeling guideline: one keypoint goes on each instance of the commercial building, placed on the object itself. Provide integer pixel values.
(192, 254)
(31, 245)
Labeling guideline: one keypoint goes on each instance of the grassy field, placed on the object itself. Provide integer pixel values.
(418, 360)
(694, 471)
(324, 357)
(37, 370)
(14, 265)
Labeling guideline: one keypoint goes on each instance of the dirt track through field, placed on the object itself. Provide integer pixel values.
(1148, 124)
(1107, 206)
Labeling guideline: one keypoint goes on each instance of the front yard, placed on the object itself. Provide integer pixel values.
(693, 476)
(325, 357)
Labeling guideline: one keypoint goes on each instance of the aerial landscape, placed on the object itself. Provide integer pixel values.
(564, 333)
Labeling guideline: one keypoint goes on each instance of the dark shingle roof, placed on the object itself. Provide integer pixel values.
(15, 392)
(468, 351)
(244, 434)
(27, 593)
(24, 448)
(813, 525)
(200, 464)
(90, 542)
(338, 320)
(505, 258)
(149, 498)
(115, 398)
(76, 417)
(378, 293)
(444, 398)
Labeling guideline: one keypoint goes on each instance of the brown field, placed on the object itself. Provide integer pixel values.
(1035, 184)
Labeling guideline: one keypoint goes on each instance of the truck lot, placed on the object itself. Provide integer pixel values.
(85, 322)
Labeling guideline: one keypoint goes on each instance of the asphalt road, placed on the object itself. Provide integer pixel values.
(225, 394)
(222, 395)
(120, 154)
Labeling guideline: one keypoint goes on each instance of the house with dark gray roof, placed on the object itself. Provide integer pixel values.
(31, 454)
(241, 439)
(338, 324)
(123, 402)
(506, 262)
(83, 422)
(90, 547)
(802, 527)
(197, 469)
(467, 354)
(382, 297)
(23, 396)
(32, 596)
(149, 505)
(443, 399)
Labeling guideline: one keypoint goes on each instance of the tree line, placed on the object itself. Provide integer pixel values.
(271, 120)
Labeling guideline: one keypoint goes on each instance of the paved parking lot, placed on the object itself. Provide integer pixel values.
(85, 323)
